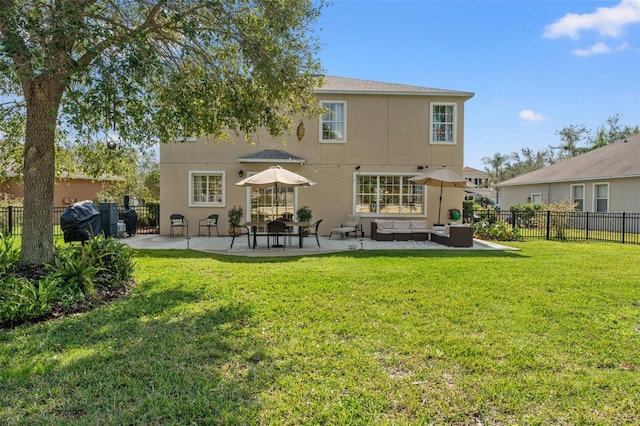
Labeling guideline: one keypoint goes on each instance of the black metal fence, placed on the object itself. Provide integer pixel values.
(577, 226)
(11, 219)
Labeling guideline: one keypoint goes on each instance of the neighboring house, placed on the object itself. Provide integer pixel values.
(68, 190)
(603, 180)
(479, 183)
(361, 156)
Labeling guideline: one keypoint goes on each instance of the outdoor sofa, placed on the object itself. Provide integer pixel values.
(453, 235)
(399, 230)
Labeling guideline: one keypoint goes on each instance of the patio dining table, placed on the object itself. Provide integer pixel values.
(259, 228)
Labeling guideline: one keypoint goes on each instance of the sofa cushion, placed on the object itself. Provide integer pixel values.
(418, 225)
(401, 227)
(385, 226)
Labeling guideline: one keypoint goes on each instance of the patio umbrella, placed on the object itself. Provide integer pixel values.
(442, 178)
(275, 176)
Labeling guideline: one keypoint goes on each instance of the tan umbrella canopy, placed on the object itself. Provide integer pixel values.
(444, 178)
(275, 176)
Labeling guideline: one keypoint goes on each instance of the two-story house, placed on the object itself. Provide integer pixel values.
(361, 153)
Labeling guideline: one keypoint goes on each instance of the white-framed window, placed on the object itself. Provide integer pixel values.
(577, 197)
(206, 188)
(536, 198)
(388, 195)
(443, 123)
(333, 128)
(601, 197)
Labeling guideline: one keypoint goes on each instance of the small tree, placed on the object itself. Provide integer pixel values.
(136, 73)
(560, 218)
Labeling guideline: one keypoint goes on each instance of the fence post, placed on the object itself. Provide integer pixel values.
(548, 223)
(587, 226)
(9, 220)
(624, 221)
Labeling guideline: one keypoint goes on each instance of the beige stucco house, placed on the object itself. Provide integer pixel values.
(603, 180)
(67, 190)
(361, 155)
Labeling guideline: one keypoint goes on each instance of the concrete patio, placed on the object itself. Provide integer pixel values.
(222, 245)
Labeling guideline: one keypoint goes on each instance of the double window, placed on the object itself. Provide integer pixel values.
(206, 189)
(334, 122)
(388, 195)
(443, 123)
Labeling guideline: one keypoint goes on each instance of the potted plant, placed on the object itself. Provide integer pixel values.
(235, 216)
(304, 214)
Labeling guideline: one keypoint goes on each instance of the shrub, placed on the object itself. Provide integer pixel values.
(79, 277)
(500, 231)
(9, 255)
(113, 260)
(21, 299)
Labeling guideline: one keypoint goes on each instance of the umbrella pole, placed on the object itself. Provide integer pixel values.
(440, 206)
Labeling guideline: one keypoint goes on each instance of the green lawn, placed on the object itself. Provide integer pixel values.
(545, 335)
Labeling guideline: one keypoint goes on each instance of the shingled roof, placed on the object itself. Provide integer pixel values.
(343, 85)
(614, 161)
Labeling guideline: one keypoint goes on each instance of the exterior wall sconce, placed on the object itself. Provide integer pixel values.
(300, 131)
(357, 167)
(240, 173)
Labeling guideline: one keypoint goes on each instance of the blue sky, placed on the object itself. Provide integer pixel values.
(535, 66)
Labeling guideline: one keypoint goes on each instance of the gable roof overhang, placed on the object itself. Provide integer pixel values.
(618, 160)
(271, 156)
(353, 86)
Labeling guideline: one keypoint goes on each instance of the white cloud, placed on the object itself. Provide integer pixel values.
(528, 115)
(596, 49)
(607, 21)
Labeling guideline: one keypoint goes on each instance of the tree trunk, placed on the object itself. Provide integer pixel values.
(42, 95)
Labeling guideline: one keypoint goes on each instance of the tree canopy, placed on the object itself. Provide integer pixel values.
(145, 71)
(574, 140)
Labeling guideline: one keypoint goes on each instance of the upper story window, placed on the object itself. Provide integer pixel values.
(334, 122)
(577, 197)
(443, 123)
(206, 189)
(601, 197)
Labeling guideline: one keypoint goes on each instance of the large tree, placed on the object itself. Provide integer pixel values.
(146, 71)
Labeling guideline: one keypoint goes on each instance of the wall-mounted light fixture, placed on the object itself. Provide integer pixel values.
(240, 173)
(357, 167)
(300, 131)
(420, 167)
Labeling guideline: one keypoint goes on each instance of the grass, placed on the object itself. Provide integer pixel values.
(545, 335)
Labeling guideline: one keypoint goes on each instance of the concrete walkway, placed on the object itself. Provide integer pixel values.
(222, 245)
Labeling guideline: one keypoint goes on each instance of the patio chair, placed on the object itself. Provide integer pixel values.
(237, 230)
(178, 221)
(289, 230)
(276, 229)
(209, 222)
(352, 224)
(313, 230)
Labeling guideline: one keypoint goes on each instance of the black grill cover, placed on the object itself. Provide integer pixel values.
(130, 218)
(80, 221)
